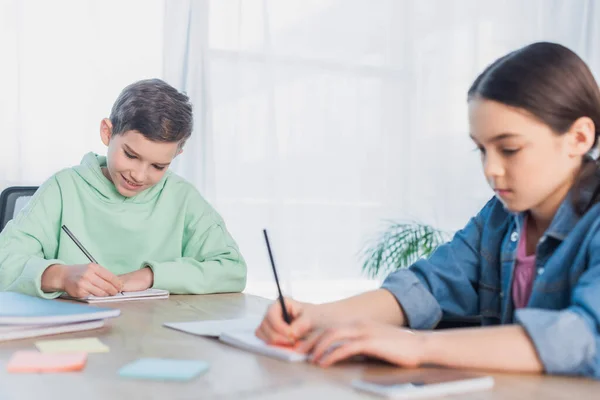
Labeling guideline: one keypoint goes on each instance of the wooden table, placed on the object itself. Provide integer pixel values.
(233, 373)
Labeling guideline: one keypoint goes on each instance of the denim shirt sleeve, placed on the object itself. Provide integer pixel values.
(567, 341)
(445, 284)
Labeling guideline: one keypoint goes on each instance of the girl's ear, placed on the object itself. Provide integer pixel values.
(105, 131)
(581, 136)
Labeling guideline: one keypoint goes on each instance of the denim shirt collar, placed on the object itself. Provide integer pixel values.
(563, 222)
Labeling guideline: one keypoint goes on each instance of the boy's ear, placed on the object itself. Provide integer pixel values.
(582, 134)
(179, 152)
(105, 131)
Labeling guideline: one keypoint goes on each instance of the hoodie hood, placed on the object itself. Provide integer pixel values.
(90, 170)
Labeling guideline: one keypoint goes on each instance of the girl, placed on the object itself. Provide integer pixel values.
(529, 261)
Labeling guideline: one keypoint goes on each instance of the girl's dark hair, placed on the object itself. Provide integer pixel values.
(553, 84)
(155, 109)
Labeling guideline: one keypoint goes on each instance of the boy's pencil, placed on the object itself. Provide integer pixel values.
(78, 243)
(286, 316)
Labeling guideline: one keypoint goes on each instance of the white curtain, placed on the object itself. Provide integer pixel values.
(319, 119)
(316, 119)
(63, 64)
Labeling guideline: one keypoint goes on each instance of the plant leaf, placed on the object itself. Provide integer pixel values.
(400, 245)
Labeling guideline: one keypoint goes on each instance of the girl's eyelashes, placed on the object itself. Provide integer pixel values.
(506, 152)
(128, 155)
(510, 152)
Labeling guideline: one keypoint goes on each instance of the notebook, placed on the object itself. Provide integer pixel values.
(238, 332)
(215, 328)
(21, 309)
(12, 332)
(249, 341)
(423, 384)
(147, 294)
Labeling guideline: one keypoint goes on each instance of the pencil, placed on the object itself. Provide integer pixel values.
(78, 243)
(286, 316)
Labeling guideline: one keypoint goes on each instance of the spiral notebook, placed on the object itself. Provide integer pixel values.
(148, 294)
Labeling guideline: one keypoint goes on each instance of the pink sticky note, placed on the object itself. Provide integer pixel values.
(32, 361)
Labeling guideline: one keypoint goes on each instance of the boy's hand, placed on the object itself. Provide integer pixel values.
(137, 280)
(81, 280)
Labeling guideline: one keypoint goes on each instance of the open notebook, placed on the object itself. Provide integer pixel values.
(239, 333)
(215, 328)
(147, 294)
(249, 341)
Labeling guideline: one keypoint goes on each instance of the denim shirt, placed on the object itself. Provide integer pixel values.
(471, 276)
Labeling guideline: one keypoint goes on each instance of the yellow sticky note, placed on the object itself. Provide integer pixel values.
(86, 345)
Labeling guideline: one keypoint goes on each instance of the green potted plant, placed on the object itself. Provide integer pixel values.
(399, 245)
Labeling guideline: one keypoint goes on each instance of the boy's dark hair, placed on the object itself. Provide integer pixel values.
(155, 109)
(556, 86)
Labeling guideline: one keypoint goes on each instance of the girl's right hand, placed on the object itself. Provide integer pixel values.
(83, 280)
(274, 330)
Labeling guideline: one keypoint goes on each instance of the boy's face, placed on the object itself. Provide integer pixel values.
(135, 163)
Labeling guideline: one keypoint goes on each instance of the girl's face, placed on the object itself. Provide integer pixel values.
(528, 166)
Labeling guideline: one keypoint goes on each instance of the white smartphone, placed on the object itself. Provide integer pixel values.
(423, 383)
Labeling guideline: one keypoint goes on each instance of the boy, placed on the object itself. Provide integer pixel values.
(145, 226)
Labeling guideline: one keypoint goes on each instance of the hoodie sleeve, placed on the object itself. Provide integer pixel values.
(29, 242)
(211, 261)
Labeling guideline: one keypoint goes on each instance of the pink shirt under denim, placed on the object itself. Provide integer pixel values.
(524, 273)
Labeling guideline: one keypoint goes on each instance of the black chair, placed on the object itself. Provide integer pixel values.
(12, 200)
(467, 322)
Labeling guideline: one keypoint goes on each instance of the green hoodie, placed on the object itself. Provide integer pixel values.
(168, 227)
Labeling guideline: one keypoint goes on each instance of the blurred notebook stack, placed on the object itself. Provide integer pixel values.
(23, 316)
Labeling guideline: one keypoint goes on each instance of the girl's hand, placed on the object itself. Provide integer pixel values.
(275, 330)
(398, 346)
